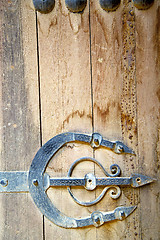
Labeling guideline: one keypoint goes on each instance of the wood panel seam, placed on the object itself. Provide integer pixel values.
(40, 110)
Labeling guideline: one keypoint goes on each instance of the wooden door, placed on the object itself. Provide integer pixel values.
(96, 71)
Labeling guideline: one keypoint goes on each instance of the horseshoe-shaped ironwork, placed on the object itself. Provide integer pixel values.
(36, 181)
(39, 164)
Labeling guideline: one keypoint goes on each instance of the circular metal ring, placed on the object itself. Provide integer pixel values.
(36, 174)
(39, 165)
(116, 173)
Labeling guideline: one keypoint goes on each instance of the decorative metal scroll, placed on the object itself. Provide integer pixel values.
(36, 181)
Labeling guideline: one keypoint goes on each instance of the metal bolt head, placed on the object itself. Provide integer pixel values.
(109, 5)
(44, 6)
(4, 182)
(76, 5)
(143, 4)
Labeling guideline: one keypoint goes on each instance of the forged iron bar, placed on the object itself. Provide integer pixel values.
(106, 181)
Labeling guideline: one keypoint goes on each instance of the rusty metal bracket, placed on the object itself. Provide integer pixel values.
(36, 181)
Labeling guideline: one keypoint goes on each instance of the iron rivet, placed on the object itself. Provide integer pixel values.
(109, 5)
(4, 182)
(76, 6)
(35, 182)
(44, 6)
(143, 4)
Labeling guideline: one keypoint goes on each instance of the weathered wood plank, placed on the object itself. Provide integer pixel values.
(113, 84)
(125, 63)
(148, 88)
(66, 104)
(129, 112)
(19, 128)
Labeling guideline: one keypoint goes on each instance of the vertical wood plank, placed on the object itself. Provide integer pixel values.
(19, 129)
(125, 63)
(106, 56)
(129, 112)
(66, 105)
(106, 52)
(114, 101)
(148, 88)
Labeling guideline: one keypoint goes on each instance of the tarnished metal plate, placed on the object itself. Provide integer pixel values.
(14, 182)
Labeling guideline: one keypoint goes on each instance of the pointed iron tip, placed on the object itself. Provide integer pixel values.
(120, 148)
(133, 153)
(139, 180)
(124, 212)
(130, 210)
(129, 150)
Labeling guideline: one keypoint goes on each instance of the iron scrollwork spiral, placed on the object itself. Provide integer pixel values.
(90, 181)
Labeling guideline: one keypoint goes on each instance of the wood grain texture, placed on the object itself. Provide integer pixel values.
(65, 84)
(19, 128)
(129, 113)
(117, 65)
(148, 85)
(108, 92)
(111, 86)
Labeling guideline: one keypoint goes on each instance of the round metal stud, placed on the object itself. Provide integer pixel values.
(44, 6)
(109, 5)
(143, 4)
(76, 5)
(4, 182)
